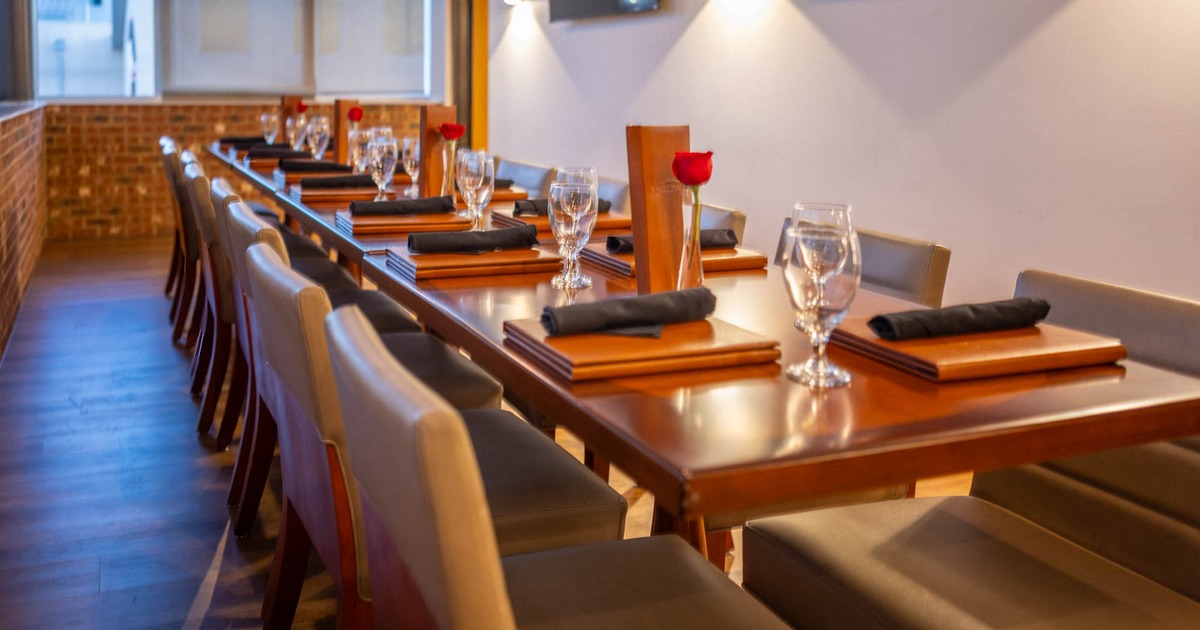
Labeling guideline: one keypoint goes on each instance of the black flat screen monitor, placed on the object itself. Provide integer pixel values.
(577, 9)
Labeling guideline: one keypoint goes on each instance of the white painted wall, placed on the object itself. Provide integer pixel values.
(1062, 134)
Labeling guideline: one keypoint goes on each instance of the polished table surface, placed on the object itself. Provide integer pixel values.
(727, 440)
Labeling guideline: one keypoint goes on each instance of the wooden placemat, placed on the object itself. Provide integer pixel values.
(687, 346)
(959, 357)
(400, 223)
(284, 179)
(713, 260)
(604, 221)
(337, 195)
(454, 265)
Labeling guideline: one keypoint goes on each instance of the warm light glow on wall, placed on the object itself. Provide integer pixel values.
(742, 12)
(512, 3)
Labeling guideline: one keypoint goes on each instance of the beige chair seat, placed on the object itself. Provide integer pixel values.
(462, 383)
(330, 275)
(953, 562)
(657, 582)
(384, 313)
(542, 499)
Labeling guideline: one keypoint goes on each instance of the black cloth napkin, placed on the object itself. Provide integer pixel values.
(279, 152)
(960, 320)
(540, 207)
(338, 181)
(653, 311)
(502, 183)
(718, 238)
(522, 237)
(427, 205)
(312, 166)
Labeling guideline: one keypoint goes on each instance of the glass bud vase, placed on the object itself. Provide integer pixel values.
(691, 269)
(449, 152)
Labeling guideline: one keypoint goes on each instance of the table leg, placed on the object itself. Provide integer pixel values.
(691, 530)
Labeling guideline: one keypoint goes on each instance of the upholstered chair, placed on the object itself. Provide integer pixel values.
(188, 278)
(1109, 539)
(534, 178)
(432, 533)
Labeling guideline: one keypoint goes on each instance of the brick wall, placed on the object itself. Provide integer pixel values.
(22, 210)
(104, 170)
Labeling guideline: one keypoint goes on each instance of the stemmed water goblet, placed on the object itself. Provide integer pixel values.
(580, 175)
(317, 135)
(821, 270)
(296, 127)
(572, 214)
(477, 183)
(358, 140)
(410, 160)
(270, 126)
(381, 163)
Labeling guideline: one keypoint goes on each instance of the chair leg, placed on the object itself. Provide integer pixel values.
(257, 471)
(176, 263)
(203, 353)
(234, 400)
(183, 299)
(197, 312)
(287, 572)
(719, 544)
(240, 465)
(218, 368)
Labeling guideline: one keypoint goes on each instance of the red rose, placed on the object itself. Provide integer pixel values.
(301, 107)
(355, 114)
(692, 169)
(451, 131)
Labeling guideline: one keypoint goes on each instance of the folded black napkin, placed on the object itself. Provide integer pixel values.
(278, 152)
(312, 166)
(643, 312)
(427, 205)
(338, 181)
(243, 142)
(540, 207)
(502, 183)
(720, 238)
(960, 320)
(522, 237)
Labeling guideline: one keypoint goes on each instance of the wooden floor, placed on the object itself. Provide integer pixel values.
(112, 508)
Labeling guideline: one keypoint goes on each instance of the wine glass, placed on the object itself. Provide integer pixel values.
(821, 270)
(358, 140)
(478, 183)
(580, 175)
(572, 210)
(410, 159)
(270, 126)
(296, 127)
(381, 163)
(318, 133)
(468, 175)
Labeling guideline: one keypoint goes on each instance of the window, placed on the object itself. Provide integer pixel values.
(94, 48)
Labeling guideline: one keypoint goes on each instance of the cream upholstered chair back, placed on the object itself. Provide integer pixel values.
(901, 267)
(417, 470)
(1157, 329)
(221, 194)
(718, 217)
(206, 222)
(246, 229)
(615, 191)
(532, 177)
(298, 388)
(187, 223)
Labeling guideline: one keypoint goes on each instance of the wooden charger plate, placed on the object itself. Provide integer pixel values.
(456, 265)
(400, 223)
(604, 221)
(712, 260)
(696, 345)
(337, 195)
(977, 355)
(284, 179)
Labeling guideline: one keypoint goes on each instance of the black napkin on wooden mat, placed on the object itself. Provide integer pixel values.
(960, 320)
(313, 166)
(540, 207)
(717, 238)
(338, 181)
(501, 183)
(427, 205)
(522, 237)
(646, 312)
(278, 152)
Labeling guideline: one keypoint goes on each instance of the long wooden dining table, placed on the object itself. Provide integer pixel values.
(746, 439)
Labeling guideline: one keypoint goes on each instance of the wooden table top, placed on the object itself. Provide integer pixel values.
(724, 440)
